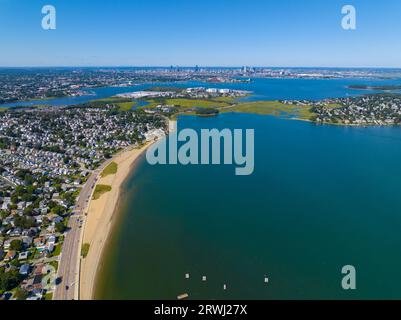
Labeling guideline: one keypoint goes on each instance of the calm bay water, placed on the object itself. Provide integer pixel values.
(321, 197)
(263, 89)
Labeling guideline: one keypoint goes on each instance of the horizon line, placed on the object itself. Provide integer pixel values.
(193, 66)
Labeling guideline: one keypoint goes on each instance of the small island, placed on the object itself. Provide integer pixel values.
(207, 112)
(378, 88)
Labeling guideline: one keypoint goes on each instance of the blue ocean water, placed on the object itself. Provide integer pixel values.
(321, 197)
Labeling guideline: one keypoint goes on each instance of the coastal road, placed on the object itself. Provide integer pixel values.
(68, 274)
(67, 287)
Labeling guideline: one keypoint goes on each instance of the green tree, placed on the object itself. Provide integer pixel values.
(59, 210)
(16, 245)
(4, 214)
(14, 198)
(24, 222)
(9, 280)
(60, 227)
(21, 294)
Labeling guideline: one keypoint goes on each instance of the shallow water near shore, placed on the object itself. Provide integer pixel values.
(321, 197)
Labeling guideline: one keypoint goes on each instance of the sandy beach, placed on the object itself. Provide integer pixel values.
(100, 219)
(102, 213)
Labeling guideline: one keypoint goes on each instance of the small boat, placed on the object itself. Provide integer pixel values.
(183, 296)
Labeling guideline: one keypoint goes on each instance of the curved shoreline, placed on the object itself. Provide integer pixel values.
(102, 215)
(108, 249)
(99, 222)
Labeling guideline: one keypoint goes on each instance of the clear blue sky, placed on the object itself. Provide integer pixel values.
(206, 32)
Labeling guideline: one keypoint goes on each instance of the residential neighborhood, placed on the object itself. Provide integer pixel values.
(367, 110)
(46, 156)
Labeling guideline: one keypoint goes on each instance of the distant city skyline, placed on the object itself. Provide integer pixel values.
(235, 33)
(192, 68)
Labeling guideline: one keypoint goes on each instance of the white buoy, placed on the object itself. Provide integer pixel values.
(225, 287)
(204, 278)
(266, 280)
(187, 276)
